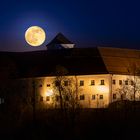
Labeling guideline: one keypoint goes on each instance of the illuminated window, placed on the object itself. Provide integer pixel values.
(101, 97)
(93, 97)
(92, 82)
(48, 85)
(126, 82)
(114, 96)
(82, 97)
(102, 82)
(48, 98)
(81, 83)
(114, 82)
(65, 83)
(41, 99)
(120, 82)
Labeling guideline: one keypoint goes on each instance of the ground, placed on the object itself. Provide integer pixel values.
(116, 124)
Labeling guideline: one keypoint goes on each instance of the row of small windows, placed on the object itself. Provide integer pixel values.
(48, 85)
(47, 98)
(126, 82)
(93, 97)
(102, 82)
(66, 83)
(82, 97)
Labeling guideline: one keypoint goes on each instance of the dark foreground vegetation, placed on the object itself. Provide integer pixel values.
(120, 121)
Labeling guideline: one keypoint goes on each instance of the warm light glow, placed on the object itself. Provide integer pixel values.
(49, 93)
(35, 36)
(102, 89)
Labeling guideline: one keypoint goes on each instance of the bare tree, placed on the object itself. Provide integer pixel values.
(134, 72)
(66, 94)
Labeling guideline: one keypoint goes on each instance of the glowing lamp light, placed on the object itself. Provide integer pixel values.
(49, 93)
(103, 89)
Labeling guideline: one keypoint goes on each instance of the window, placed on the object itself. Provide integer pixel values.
(47, 98)
(67, 98)
(114, 82)
(65, 83)
(57, 83)
(114, 96)
(1, 100)
(120, 82)
(57, 98)
(93, 97)
(92, 82)
(48, 85)
(102, 82)
(132, 82)
(126, 82)
(81, 83)
(101, 96)
(82, 97)
(41, 99)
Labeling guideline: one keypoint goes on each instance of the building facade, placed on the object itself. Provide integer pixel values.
(103, 75)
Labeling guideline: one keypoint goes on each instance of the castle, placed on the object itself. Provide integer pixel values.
(103, 74)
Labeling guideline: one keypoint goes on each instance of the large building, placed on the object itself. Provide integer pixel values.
(103, 74)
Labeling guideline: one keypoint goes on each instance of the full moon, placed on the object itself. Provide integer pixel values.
(35, 36)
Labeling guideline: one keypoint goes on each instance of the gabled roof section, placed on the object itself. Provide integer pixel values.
(120, 60)
(60, 41)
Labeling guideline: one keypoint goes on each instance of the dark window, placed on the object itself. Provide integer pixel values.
(132, 82)
(41, 99)
(48, 85)
(1, 100)
(121, 97)
(126, 82)
(101, 96)
(57, 83)
(93, 97)
(65, 83)
(114, 96)
(120, 82)
(82, 97)
(114, 82)
(48, 98)
(92, 82)
(67, 98)
(102, 82)
(81, 83)
(57, 98)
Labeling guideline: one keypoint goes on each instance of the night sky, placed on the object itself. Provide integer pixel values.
(87, 23)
